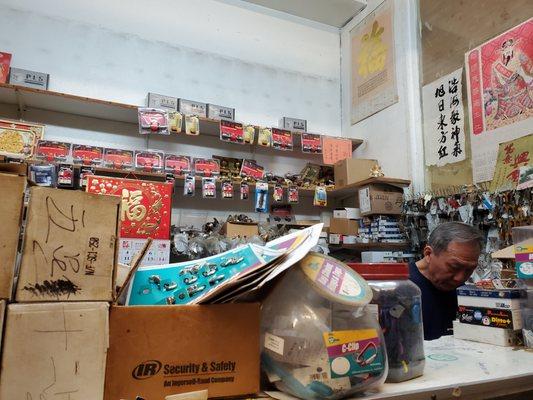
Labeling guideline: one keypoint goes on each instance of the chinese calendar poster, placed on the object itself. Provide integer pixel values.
(444, 136)
(373, 76)
(500, 94)
(512, 157)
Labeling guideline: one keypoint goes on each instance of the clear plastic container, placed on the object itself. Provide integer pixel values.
(318, 340)
(399, 309)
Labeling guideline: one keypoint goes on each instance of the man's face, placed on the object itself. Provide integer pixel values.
(452, 267)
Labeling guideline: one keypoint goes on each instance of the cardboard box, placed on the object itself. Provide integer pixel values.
(160, 101)
(352, 170)
(70, 246)
(347, 213)
(13, 187)
(380, 199)
(493, 317)
(349, 239)
(343, 226)
(243, 229)
(378, 256)
(54, 350)
(335, 238)
(27, 78)
(157, 351)
(486, 334)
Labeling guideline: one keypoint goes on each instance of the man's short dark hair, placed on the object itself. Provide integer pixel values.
(449, 232)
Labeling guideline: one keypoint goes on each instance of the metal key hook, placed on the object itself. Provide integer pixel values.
(360, 357)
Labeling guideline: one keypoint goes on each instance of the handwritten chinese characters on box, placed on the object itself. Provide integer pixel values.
(444, 136)
(69, 250)
(335, 149)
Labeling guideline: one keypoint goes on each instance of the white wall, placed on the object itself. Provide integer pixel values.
(206, 50)
(392, 136)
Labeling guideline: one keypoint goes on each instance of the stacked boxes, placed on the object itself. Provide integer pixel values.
(382, 229)
(64, 285)
(489, 315)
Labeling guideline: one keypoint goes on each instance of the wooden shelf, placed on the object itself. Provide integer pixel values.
(372, 246)
(351, 189)
(29, 98)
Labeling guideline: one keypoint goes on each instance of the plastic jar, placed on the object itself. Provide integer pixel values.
(318, 340)
(399, 308)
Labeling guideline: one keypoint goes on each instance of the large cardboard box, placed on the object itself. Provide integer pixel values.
(54, 350)
(12, 187)
(242, 229)
(343, 226)
(70, 246)
(157, 351)
(352, 170)
(380, 199)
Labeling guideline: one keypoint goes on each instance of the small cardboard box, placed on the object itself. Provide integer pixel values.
(335, 238)
(13, 187)
(54, 350)
(347, 213)
(343, 226)
(352, 170)
(157, 351)
(380, 199)
(70, 246)
(242, 229)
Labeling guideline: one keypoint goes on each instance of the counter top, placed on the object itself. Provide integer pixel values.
(460, 369)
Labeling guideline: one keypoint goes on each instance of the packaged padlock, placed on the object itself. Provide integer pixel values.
(261, 197)
(245, 191)
(153, 121)
(175, 121)
(190, 186)
(278, 193)
(192, 125)
(227, 189)
(294, 196)
(209, 188)
(321, 197)
(65, 176)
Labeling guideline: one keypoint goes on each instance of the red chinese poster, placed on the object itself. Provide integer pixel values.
(146, 207)
(499, 75)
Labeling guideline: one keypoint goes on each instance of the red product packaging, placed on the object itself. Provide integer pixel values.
(311, 143)
(146, 207)
(206, 167)
(177, 165)
(149, 160)
(5, 61)
(282, 139)
(87, 155)
(119, 159)
(232, 132)
(251, 169)
(52, 150)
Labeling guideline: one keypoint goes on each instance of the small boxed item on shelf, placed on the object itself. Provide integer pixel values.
(347, 213)
(69, 247)
(5, 61)
(189, 107)
(343, 226)
(378, 256)
(380, 199)
(220, 112)
(55, 347)
(352, 170)
(241, 229)
(217, 350)
(168, 103)
(486, 334)
(293, 124)
(335, 238)
(13, 187)
(26, 78)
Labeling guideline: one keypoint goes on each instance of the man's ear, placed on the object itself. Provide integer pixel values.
(428, 251)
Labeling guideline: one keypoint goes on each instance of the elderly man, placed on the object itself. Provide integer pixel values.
(450, 257)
